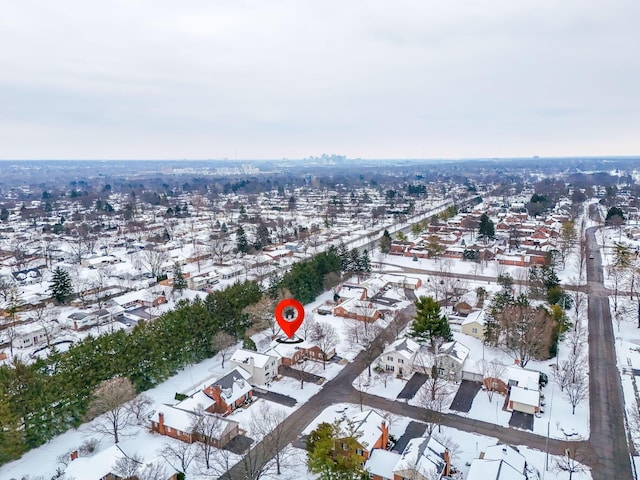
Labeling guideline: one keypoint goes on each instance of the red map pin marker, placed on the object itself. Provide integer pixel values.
(289, 325)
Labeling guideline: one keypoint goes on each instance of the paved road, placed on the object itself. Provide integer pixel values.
(607, 449)
(340, 389)
(610, 457)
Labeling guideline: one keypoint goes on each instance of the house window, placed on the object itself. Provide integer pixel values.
(390, 358)
(389, 368)
(345, 446)
(474, 330)
(400, 360)
(359, 451)
(440, 371)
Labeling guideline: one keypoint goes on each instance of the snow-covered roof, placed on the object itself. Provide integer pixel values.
(522, 377)
(368, 427)
(454, 350)
(478, 316)
(381, 462)
(525, 396)
(405, 347)
(482, 469)
(508, 454)
(197, 401)
(260, 360)
(287, 350)
(424, 455)
(95, 467)
(177, 418)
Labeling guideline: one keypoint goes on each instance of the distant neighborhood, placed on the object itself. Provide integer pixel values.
(443, 319)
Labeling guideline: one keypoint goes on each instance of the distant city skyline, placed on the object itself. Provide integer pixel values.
(292, 79)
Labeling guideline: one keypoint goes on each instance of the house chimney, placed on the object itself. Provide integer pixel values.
(447, 463)
(74, 455)
(516, 361)
(161, 429)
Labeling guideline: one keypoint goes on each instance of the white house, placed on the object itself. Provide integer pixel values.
(449, 360)
(398, 358)
(499, 462)
(262, 367)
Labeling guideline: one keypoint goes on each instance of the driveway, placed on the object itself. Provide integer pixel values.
(464, 397)
(414, 430)
(412, 386)
(521, 420)
(275, 397)
(308, 377)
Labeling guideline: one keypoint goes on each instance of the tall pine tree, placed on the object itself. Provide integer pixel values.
(179, 282)
(60, 287)
(428, 324)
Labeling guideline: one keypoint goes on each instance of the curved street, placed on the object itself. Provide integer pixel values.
(609, 455)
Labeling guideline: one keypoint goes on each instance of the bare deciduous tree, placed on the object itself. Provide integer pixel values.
(205, 428)
(128, 466)
(110, 405)
(153, 259)
(223, 343)
(182, 453)
(325, 336)
(139, 406)
(492, 370)
(526, 332)
(269, 425)
(578, 390)
(573, 460)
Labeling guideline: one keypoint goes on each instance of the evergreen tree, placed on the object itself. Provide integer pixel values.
(428, 324)
(242, 243)
(179, 282)
(486, 229)
(60, 286)
(365, 262)
(615, 216)
(385, 242)
(332, 453)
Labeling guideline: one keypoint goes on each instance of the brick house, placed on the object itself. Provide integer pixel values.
(423, 458)
(372, 432)
(230, 392)
(357, 309)
(180, 424)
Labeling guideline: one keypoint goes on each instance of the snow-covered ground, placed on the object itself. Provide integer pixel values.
(466, 446)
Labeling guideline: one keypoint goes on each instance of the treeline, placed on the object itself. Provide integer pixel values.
(308, 279)
(44, 399)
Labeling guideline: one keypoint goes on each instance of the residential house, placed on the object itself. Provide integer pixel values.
(182, 424)
(423, 458)
(402, 281)
(372, 432)
(82, 320)
(524, 389)
(262, 367)
(231, 391)
(474, 324)
(448, 360)
(499, 462)
(292, 353)
(350, 290)
(101, 465)
(362, 310)
(398, 357)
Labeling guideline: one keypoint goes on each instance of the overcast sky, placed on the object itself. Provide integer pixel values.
(272, 79)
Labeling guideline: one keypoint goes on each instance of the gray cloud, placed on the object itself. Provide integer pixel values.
(267, 79)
